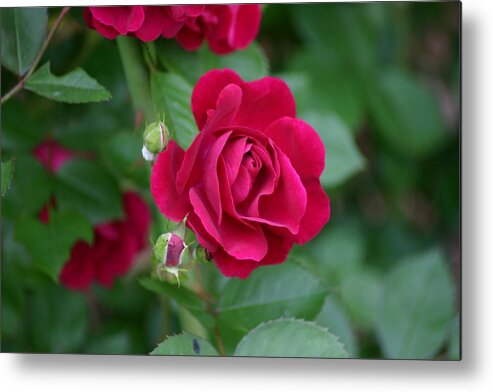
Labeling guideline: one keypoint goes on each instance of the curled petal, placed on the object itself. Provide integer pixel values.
(301, 143)
(172, 204)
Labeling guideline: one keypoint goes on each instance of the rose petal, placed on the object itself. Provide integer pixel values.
(278, 252)
(301, 143)
(207, 90)
(189, 39)
(210, 180)
(317, 211)
(155, 21)
(172, 204)
(239, 240)
(287, 205)
(138, 218)
(115, 258)
(78, 272)
(246, 25)
(123, 19)
(265, 101)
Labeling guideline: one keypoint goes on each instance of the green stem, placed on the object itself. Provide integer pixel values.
(136, 75)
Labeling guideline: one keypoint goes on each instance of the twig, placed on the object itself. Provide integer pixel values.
(46, 42)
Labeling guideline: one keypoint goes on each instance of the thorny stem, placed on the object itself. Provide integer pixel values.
(46, 42)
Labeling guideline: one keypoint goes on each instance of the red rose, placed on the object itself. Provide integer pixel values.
(114, 248)
(250, 181)
(115, 243)
(225, 27)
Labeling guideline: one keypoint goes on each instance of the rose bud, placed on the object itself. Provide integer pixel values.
(156, 138)
(170, 251)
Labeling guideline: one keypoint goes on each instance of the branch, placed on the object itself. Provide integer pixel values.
(46, 42)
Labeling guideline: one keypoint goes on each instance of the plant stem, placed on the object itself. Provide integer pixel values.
(46, 42)
(219, 340)
(136, 75)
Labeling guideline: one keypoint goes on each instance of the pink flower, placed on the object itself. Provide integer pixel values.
(250, 181)
(116, 243)
(225, 27)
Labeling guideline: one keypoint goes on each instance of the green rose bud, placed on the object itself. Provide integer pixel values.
(156, 138)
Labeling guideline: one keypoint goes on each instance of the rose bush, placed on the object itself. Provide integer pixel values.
(250, 182)
(225, 27)
(115, 244)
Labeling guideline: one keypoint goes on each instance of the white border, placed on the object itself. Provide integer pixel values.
(474, 373)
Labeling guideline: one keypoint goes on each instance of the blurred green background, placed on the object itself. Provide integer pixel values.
(380, 82)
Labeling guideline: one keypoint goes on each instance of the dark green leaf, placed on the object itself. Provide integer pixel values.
(185, 344)
(50, 244)
(183, 297)
(416, 307)
(87, 187)
(269, 293)
(342, 157)
(333, 318)
(406, 114)
(171, 94)
(74, 87)
(290, 338)
(7, 173)
(57, 320)
(30, 188)
(22, 34)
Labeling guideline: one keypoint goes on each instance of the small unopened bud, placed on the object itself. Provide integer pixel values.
(156, 138)
(170, 251)
(202, 255)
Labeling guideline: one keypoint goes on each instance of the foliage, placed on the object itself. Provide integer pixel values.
(379, 82)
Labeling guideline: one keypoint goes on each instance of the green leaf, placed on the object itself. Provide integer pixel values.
(50, 244)
(339, 250)
(87, 187)
(406, 114)
(185, 344)
(416, 307)
(171, 93)
(360, 294)
(23, 31)
(333, 317)
(342, 157)
(7, 173)
(250, 63)
(183, 297)
(75, 87)
(30, 189)
(269, 293)
(57, 319)
(290, 338)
